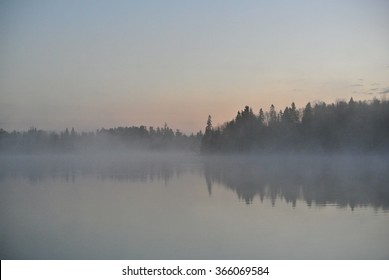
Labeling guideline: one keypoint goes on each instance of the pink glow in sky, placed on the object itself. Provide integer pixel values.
(93, 64)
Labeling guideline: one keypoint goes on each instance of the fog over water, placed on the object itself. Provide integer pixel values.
(194, 130)
(188, 206)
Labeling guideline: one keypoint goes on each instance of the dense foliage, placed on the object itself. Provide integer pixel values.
(361, 126)
(112, 139)
(343, 126)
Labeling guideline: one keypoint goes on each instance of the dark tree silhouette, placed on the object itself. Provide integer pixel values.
(344, 126)
(353, 126)
(38, 141)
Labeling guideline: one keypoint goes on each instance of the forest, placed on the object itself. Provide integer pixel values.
(112, 140)
(352, 126)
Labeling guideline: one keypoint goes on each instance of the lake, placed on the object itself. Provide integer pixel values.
(184, 206)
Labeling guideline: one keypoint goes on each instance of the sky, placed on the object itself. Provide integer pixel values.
(93, 64)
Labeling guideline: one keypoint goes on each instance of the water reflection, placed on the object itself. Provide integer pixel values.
(116, 207)
(342, 180)
(346, 181)
(131, 167)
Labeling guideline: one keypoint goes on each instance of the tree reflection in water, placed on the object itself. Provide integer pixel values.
(352, 181)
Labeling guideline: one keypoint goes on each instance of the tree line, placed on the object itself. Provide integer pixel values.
(361, 126)
(134, 137)
(346, 181)
(351, 126)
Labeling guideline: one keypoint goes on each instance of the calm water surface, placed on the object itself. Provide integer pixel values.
(193, 207)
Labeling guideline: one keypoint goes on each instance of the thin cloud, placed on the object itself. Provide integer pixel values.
(375, 84)
(374, 89)
(362, 92)
(384, 90)
(357, 85)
